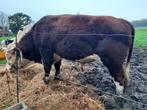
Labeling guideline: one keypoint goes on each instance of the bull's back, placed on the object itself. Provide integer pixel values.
(80, 33)
(82, 24)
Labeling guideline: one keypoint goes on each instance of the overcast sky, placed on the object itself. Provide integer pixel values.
(127, 9)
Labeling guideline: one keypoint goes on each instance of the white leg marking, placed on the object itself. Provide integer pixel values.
(126, 68)
(127, 73)
(119, 88)
(46, 78)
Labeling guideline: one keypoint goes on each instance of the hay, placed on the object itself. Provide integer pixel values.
(58, 95)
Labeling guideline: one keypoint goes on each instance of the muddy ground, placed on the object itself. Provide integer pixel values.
(135, 94)
(64, 95)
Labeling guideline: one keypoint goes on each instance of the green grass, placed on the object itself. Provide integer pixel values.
(140, 37)
(4, 38)
(2, 62)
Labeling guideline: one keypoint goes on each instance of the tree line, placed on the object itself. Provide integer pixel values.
(14, 22)
(140, 23)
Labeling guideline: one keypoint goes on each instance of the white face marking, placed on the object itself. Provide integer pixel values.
(21, 33)
(10, 54)
(119, 88)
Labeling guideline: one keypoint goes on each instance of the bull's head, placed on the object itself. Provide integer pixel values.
(13, 55)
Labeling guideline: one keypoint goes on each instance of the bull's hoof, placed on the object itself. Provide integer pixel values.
(58, 77)
(46, 80)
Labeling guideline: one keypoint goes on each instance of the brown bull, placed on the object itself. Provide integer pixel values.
(77, 36)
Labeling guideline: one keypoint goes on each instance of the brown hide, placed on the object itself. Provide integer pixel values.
(77, 36)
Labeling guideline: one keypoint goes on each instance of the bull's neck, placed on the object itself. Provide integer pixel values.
(26, 45)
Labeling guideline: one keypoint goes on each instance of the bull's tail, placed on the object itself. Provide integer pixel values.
(131, 47)
(127, 66)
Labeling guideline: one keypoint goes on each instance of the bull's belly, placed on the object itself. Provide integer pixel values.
(72, 57)
(77, 54)
(74, 48)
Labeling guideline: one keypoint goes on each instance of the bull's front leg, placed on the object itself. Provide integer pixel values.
(47, 62)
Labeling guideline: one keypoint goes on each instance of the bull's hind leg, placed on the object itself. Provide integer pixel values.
(113, 55)
(117, 71)
(120, 84)
(57, 66)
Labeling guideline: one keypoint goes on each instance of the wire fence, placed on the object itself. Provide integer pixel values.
(81, 34)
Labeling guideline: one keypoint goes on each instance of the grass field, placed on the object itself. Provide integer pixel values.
(4, 38)
(2, 62)
(140, 39)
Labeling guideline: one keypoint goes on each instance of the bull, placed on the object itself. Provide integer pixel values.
(74, 37)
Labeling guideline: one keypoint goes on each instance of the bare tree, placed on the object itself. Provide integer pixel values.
(4, 23)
